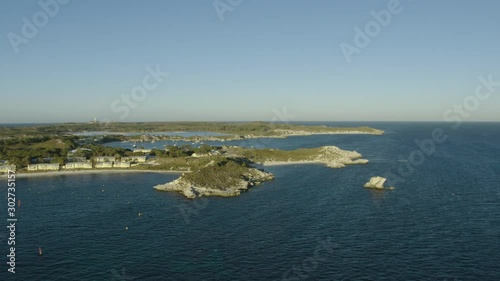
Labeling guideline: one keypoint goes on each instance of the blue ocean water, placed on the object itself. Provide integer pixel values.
(442, 222)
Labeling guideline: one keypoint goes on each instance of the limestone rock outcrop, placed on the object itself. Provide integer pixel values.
(377, 183)
(335, 157)
(251, 178)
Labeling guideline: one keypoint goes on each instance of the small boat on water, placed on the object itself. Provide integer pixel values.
(134, 145)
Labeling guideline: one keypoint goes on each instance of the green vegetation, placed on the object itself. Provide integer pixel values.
(219, 174)
(45, 149)
(94, 150)
(261, 155)
(222, 176)
(180, 163)
(239, 129)
(53, 143)
(182, 151)
(21, 151)
(210, 171)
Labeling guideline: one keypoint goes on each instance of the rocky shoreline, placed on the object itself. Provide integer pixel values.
(227, 180)
(331, 156)
(251, 178)
(377, 183)
(335, 157)
(276, 134)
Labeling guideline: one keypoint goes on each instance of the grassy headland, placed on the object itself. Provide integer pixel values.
(233, 173)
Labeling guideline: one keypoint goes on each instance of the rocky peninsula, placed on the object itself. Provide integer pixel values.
(233, 173)
(330, 156)
(226, 178)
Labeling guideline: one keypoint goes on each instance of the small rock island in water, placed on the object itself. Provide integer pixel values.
(377, 183)
(224, 177)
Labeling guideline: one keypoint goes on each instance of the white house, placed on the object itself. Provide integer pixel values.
(43, 167)
(78, 149)
(142, 150)
(78, 165)
(102, 165)
(215, 152)
(122, 165)
(138, 159)
(198, 155)
(76, 159)
(6, 168)
(105, 159)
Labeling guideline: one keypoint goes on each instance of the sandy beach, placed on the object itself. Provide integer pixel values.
(88, 172)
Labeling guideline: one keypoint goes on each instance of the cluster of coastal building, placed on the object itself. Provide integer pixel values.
(77, 163)
(5, 167)
(101, 162)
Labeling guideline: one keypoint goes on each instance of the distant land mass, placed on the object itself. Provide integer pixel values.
(248, 129)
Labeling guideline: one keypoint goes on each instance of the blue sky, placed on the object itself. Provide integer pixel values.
(263, 56)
